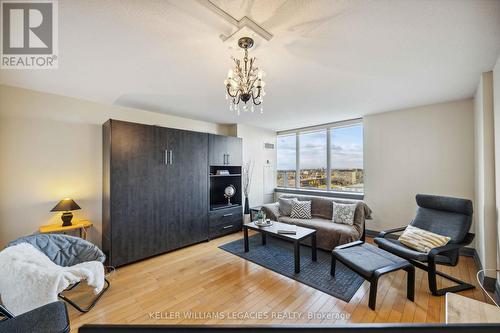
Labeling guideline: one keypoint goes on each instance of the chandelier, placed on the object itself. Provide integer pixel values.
(244, 81)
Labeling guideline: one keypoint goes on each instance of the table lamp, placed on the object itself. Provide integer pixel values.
(66, 205)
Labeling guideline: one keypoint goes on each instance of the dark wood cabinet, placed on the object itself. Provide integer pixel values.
(217, 149)
(225, 221)
(130, 230)
(225, 153)
(224, 150)
(234, 151)
(155, 190)
(183, 202)
(166, 173)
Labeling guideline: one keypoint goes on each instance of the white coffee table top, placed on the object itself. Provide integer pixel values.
(301, 232)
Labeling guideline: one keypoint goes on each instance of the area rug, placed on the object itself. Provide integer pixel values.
(277, 256)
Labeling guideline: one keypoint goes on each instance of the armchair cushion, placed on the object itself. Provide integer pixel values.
(399, 249)
(63, 250)
(447, 204)
(396, 247)
(451, 217)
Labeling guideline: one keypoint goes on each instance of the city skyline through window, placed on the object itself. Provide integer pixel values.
(345, 170)
(313, 160)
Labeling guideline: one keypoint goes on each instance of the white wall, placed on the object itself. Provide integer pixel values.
(496, 107)
(51, 148)
(264, 160)
(484, 203)
(427, 149)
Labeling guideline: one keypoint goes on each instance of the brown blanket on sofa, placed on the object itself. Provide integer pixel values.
(329, 234)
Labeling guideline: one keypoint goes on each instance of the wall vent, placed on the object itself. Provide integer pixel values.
(268, 145)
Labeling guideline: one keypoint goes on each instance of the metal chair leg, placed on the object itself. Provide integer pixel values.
(410, 283)
(372, 301)
(88, 308)
(431, 276)
(332, 266)
(432, 272)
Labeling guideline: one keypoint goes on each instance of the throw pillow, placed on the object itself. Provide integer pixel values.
(286, 205)
(274, 209)
(422, 240)
(343, 213)
(301, 210)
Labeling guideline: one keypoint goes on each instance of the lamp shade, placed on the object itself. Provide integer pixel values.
(65, 205)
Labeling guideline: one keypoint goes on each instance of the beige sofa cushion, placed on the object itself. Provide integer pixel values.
(328, 234)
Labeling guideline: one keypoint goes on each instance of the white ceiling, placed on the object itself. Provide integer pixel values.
(328, 60)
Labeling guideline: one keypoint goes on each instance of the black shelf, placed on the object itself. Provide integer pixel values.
(223, 206)
(230, 175)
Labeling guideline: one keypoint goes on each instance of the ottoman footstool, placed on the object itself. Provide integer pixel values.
(371, 263)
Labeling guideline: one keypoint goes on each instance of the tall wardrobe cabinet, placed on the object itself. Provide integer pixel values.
(155, 190)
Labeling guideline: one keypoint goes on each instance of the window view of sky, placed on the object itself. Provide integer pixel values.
(346, 145)
(285, 147)
(313, 150)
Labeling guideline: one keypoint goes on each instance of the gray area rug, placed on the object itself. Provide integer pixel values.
(277, 256)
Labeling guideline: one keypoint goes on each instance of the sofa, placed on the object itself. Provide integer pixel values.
(329, 234)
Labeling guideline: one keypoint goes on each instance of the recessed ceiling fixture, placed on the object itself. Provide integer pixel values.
(244, 81)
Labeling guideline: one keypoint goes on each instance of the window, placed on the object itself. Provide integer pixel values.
(286, 147)
(313, 159)
(346, 156)
(327, 158)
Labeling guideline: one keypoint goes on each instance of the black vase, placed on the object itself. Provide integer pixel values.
(247, 207)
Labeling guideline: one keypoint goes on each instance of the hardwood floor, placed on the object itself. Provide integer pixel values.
(216, 287)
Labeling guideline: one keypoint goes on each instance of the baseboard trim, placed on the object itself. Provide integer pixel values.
(470, 252)
(487, 282)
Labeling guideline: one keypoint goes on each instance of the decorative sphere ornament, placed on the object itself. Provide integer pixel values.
(229, 192)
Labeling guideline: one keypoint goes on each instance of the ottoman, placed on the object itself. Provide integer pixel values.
(371, 263)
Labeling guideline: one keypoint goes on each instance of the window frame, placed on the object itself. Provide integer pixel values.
(328, 127)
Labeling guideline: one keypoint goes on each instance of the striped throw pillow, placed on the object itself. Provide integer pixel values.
(422, 240)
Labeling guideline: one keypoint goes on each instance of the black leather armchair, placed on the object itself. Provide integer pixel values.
(445, 216)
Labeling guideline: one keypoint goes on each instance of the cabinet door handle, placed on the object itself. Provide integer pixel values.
(166, 157)
(228, 226)
(228, 159)
(226, 215)
(171, 157)
(224, 159)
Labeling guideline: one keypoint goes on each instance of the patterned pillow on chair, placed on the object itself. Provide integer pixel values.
(422, 240)
(301, 210)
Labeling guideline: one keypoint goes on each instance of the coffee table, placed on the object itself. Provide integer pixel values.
(301, 234)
